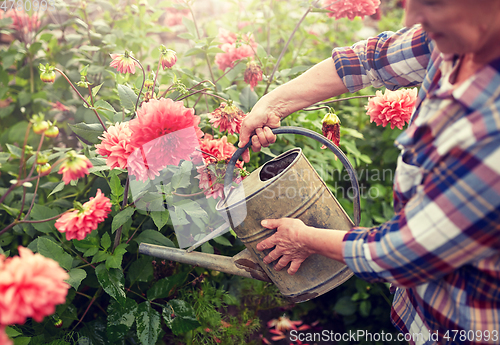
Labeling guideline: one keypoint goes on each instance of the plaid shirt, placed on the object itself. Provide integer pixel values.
(442, 248)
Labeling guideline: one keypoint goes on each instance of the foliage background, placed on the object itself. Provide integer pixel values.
(119, 296)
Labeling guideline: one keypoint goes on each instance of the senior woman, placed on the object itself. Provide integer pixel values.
(442, 248)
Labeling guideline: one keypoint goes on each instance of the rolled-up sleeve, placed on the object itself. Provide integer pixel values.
(452, 220)
(392, 59)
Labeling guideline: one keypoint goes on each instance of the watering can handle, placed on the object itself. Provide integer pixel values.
(313, 135)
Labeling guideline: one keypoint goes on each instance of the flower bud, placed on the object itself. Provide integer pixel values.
(42, 159)
(331, 128)
(52, 131)
(168, 57)
(43, 169)
(253, 74)
(48, 77)
(40, 127)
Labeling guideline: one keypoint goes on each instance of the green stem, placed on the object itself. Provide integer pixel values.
(339, 100)
(80, 95)
(143, 81)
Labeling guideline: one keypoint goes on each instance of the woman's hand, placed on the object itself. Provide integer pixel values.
(289, 243)
(259, 121)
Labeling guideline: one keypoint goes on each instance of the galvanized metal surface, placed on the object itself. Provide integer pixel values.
(241, 264)
(288, 186)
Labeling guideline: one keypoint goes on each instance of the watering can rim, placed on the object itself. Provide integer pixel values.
(222, 203)
(228, 180)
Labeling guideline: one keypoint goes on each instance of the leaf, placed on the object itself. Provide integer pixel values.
(96, 89)
(180, 317)
(120, 319)
(345, 306)
(100, 257)
(163, 287)
(154, 237)
(54, 251)
(58, 188)
(88, 132)
(105, 241)
(148, 324)
(40, 212)
(248, 98)
(127, 97)
(191, 208)
(365, 307)
(76, 275)
(14, 150)
(160, 218)
(115, 260)
(105, 109)
(121, 218)
(207, 248)
(116, 185)
(222, 240)
(141, 270)
(112, 281)
(189, 24)
(182, 177)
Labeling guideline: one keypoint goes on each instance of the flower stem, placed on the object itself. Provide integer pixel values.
(287, 43)
(80, 95)
(143, 81)
(118, 234)
(339, 100)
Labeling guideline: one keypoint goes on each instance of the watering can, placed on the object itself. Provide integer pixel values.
(286, 186)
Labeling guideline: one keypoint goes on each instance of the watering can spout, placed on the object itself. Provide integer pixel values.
(241, 264)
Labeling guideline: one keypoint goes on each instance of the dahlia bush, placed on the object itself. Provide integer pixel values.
(117, 122)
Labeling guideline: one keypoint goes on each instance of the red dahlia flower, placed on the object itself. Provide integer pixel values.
(77, 224)
(163, 133)
(115, 144)
(74, 167)
(227, 117)
(31, 285)
(394, 107)
(123, 63)
(351, 8)
(253, 74)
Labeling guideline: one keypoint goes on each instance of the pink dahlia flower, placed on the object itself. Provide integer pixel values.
(123, 63)
(22, 22)
(115, 145)
(77, 224)
(253, 74)
(163, 133)
(74, 167)
(394, 107)
(216, 154)
(4, 339)
(233, 48)
(351, 8)
(227, 118)
(31, 285)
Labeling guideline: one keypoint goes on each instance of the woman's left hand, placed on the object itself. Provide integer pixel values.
(289, 242)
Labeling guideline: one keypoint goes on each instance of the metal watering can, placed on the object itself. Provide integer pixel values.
(286, 186)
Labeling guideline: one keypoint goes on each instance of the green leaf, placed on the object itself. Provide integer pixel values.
(105, 109)
(112, 281)
(11, 332)
(116, 185)
(100, 257)
(54, 251)
(222, 240)
(180, 317)
(163, 287)
(141, 270)
(345, 306)
(40, 212)
(248, 98)
(154, 237)
(115, 260)
(22, 340)
(365, 307)
(4, 112)
(96, 89)
(76, 275)
(160, 218)
(182, 177)
(120, 319)
(105, 241)
(14, 150)
(148, 324)
(191, 208)
(207, 248)
(189, 24)
(127, 97)
(58, 188)
(121, 218)
(88, 132)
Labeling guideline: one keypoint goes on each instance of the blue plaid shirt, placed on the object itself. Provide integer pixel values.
(442, 248)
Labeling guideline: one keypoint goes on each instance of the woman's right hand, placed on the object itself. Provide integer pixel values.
(257, 126)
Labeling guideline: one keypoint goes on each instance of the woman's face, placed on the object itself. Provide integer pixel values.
(457, 26)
